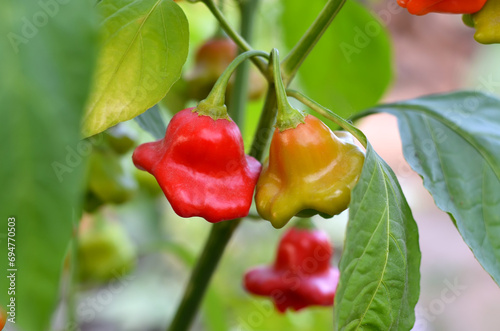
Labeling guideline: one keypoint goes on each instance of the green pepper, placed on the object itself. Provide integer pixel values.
(120, 139)
(104, 250)
(147, 183)
(108, 181)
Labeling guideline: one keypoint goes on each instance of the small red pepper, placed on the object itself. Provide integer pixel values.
(301, 275)
(201, 167)
(422, 7)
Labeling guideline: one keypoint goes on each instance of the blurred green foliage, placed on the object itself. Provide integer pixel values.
(47, 52)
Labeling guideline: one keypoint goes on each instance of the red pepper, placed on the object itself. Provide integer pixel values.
(301, 275)
(201, 167)
(422, 7)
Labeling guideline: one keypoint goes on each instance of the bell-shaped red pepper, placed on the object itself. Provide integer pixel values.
(301, 275)
(422, 7)
(201, 167)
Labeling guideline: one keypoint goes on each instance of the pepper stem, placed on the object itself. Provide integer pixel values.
(200, 277)
(214, 104)
(288, 117)
(330, 115)
(301, 50)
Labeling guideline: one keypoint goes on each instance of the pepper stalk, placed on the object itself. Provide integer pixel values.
(288, 117)
(214, 105)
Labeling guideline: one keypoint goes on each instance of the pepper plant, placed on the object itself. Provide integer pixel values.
(101, 63)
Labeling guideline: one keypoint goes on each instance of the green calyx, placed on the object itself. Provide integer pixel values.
(214, 104)
(288, 117)
(468, 20)
(216, 112)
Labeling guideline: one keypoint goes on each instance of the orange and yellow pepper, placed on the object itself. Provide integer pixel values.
(310, 170)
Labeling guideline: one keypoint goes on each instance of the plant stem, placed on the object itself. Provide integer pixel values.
(330, 115)
(238, 39)
(200, 277)
(265, 126)
(305, 45)
(239, 96)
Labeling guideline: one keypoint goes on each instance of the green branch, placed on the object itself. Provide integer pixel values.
(201, 275)
(298, 54)
(239, 96)
(214, 104)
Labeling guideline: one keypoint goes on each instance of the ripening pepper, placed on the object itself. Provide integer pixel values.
(422, 7)
(310, 170)
(301, 275)
(486, 22)
(108, 181)
(201, 166)
(211, 60)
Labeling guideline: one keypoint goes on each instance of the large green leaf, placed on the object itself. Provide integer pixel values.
(453, 142)
(380, 279)
(144, 45)
(350, 68)
(46, 63)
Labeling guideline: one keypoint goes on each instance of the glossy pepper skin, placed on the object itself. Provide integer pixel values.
(301, 275)
(422, 7)
(310, 170)
(487, 23)
(201, 167)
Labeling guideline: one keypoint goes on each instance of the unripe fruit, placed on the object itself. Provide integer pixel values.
(120, 139)
(104, 251)
(211, 60)
(108, 180)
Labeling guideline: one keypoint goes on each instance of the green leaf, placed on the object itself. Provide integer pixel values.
(144, 45)
(380, 279)
(453, 142)
(47, 59)
(152, 122)
(350, 68)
